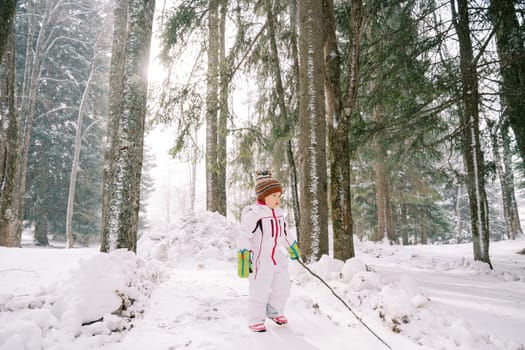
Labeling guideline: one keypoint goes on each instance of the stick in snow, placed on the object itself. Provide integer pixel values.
(341, 299)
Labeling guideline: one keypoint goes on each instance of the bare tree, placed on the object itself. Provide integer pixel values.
(79, 135)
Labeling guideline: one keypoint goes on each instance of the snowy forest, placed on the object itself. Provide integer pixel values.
(391, 124)
(387, 120)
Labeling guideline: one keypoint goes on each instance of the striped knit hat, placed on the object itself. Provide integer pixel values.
(266, 185)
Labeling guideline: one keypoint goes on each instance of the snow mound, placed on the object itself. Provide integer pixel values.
(399, 303)
(197, 240)
(102, 295)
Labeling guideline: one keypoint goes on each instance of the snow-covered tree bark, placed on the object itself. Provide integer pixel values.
(312, 139)
(123, 215)
(212, 102)
(116, 78)
(472, 153)
(132, 122)
(9, 143)
(339, 127)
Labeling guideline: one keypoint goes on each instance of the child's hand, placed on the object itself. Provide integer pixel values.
(244, 264)
(294, 251)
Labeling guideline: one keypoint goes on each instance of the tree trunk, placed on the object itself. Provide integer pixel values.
(511, 52)
(385, 223)
(78, 139)
(193, 180)
(42, 183)
(312, 141)
(76, 160)
(124, 223)
(505, 196)
(283, 122)
(222, 131)
(212, 106)
(423, 220)
(458, 225)
(404, 224)
(508, 178)
(116, 78)
(338, 140)
(34, 56)
(132, 123)
(293, 110)
(9, 142)
(7, 19)
(472, 154)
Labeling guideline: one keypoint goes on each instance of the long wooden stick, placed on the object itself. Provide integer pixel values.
(344, 303)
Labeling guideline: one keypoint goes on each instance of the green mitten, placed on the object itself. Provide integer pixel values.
(243, 263)
(294, 251)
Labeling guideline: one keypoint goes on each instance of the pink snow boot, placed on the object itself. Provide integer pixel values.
(280, 320)
(259, 327)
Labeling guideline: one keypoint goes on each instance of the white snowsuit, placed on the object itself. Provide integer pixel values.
(263, 231)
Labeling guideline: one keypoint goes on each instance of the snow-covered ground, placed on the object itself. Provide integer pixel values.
(182, 292)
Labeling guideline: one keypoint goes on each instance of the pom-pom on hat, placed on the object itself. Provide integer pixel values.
(266, 185)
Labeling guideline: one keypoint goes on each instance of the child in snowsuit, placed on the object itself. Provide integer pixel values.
(265, 245)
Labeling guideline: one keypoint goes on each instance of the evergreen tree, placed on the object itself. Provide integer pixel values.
(510, 42)
(62, 74)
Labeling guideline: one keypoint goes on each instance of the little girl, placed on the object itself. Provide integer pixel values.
(263, 234)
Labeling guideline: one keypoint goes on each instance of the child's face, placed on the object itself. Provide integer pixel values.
(273, 200)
